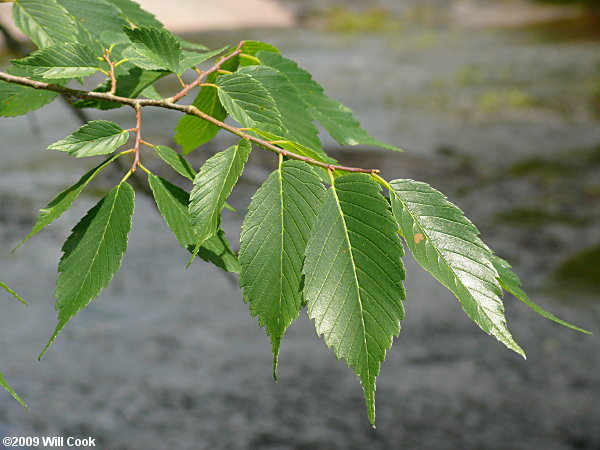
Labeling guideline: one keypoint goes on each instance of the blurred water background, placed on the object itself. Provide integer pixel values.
(497, 104)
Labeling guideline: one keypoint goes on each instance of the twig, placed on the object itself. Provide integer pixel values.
(111, 73)
(203, 74)
(138, 137)
(168, 104)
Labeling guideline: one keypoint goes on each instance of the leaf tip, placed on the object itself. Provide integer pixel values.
(51, 340)
(276, 345)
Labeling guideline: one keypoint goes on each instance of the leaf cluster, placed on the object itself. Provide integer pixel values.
(317, 235)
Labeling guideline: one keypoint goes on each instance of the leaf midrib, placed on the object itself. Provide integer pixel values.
(108, 220)
(457, 279)
(32, 19)
(357, 288)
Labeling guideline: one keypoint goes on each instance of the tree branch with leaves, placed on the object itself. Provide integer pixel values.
(317, 234)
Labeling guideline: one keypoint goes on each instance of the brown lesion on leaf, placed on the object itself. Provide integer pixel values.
(418, 238)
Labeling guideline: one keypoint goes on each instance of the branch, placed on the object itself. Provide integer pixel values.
(203, 74)
(169, 104)
(138, 137)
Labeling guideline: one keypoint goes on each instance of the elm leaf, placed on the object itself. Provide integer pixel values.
(274, 236)
(446, 244)
(92, 254)
(97, 137)
(354, 277)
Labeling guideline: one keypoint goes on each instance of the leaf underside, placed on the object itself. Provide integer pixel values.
(354, 277)
(446, 244)
(274, 235)
(92, 254)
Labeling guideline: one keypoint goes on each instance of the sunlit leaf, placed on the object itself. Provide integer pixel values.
(98, 137)
(61, 61)
(354, 277)
(446, 244)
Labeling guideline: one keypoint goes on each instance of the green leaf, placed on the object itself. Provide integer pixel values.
(5, 385)
(253, 47)
(188, 45)
(212, 185)
(354, 277)
(511, 283)
(3, 382)
(299, 149)
(295, 147)
(274, 235)
(130, 84)
(93, 254)
(294, 121)
(249, 103)
(134, 14)
(445, 243)
(172, 202)
(13, 293)
(191, 132)
(191, 59)
(97, 21)
(337, 119)
(98, 137)
(176, 161)
(217, 250)
(45, 22)
(152, 93)
(155, 49)
(16, 100)
(64, 200)
(61, 61)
